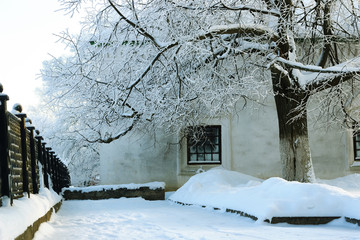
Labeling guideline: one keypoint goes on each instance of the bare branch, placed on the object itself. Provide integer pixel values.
(216, 30)
(111, 139)
(223, 6)
(141, 30)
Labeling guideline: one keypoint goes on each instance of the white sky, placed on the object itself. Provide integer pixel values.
(26, 38)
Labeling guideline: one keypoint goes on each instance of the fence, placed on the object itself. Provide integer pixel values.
(20, 154)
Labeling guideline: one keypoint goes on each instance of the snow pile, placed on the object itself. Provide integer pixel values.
(274, 197)
(15, 219)
(133, 186)
(350, 183)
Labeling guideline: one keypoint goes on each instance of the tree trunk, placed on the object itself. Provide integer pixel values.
(293, 132)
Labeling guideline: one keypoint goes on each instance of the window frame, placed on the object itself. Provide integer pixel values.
(356, 134)
(219, 152)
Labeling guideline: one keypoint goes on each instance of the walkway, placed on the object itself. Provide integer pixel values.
(139, 219)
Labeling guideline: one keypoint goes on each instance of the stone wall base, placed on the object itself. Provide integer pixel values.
(302, 220)
(288, 220)
(144, 192)
(31, 230)
(353, 220)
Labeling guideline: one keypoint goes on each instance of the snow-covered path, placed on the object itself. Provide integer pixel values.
(140, 219)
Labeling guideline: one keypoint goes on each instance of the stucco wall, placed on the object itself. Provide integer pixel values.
(139, 158)
(250, 144)
(255, 143)
(328, 151)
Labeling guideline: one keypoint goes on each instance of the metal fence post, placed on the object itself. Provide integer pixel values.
(45, 161)
(4, 146)
(48, 163)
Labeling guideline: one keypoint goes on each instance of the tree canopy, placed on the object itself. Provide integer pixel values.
(168, 63)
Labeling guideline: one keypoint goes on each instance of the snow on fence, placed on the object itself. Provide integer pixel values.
(20, 154)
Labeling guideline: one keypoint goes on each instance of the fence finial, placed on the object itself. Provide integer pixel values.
(17, 107)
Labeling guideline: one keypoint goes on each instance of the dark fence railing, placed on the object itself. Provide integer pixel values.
(20, 154)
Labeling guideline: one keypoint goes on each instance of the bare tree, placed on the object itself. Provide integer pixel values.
(81, 157)
(171, 63)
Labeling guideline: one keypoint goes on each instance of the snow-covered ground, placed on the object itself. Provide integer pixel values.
(24, 212)
(139, 219)
(136, 218)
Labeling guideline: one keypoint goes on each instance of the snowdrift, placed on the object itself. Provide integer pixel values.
(15, 219)
(274, 197)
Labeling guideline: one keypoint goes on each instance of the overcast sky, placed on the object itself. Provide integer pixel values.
(26, 39)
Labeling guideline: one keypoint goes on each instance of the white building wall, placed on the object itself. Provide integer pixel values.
(328, 152)
(139, 158)
(256, 142)
(250, 144)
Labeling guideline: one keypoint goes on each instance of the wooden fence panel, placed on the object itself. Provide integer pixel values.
(20, 153)
(37, 173)
(28, 162)
(16, 180)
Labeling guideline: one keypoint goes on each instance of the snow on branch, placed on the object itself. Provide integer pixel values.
(117, 136)
(250, 9)
(251, 30)
(141, 30)
(248, 30)
(323, 82)
(155, 59)
(222, 6)
(341, 68)
(315, 78)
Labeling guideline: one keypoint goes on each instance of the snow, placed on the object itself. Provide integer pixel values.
(133, 186)
(274, 197)
(349, 183)
(136, 218)
(311, 73)
(243, 27)
(355, 164)
(24, 212)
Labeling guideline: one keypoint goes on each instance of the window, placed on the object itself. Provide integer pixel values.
(204, 145)
(356, 146)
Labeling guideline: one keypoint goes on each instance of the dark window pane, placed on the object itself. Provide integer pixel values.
(357, 137)
(207, 157)
(201, 149)
(193, 149)
(193, 158)
(357, 146)
(208, 148)
(204, 144)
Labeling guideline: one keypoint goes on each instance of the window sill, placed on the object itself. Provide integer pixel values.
(204, 163)
(355, 166)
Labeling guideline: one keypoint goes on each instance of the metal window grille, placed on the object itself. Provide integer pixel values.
(204, 145)
(356, 138)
